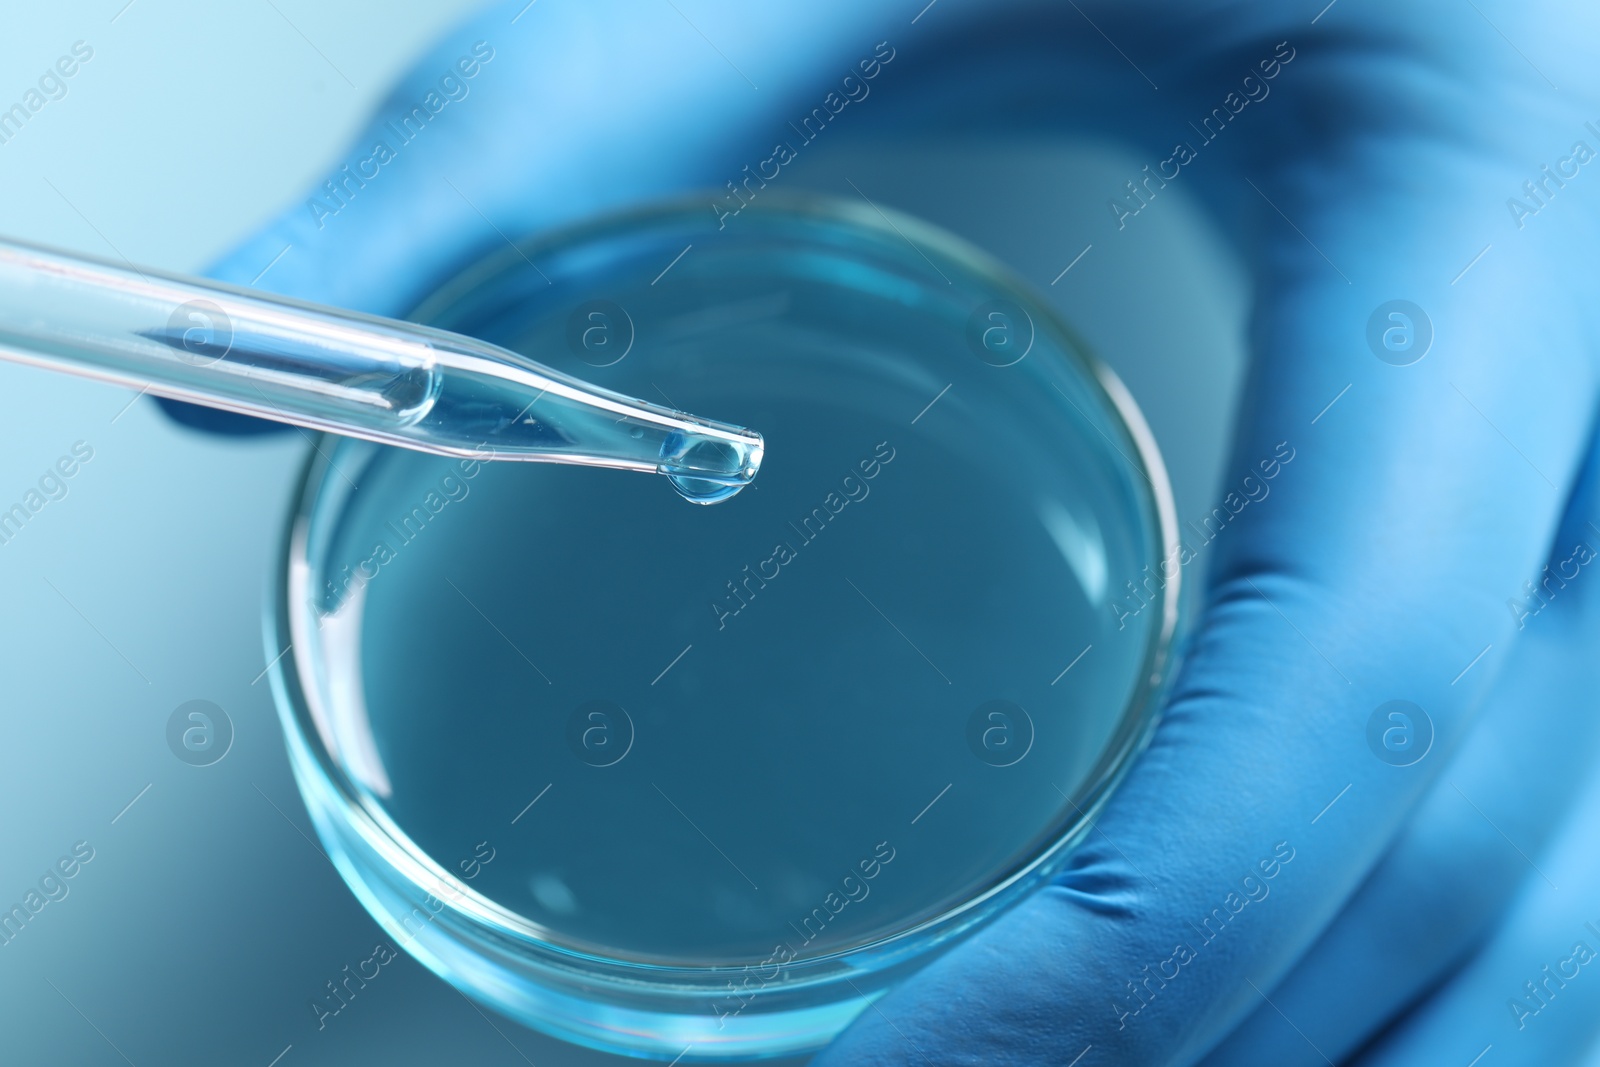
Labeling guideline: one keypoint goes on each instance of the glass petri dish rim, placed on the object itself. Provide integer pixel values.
(364, 815)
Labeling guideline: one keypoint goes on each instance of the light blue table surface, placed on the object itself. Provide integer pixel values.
(207, 919)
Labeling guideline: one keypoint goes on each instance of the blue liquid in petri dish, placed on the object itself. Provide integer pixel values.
(818, 713)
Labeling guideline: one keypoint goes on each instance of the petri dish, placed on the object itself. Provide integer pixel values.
(701, 782)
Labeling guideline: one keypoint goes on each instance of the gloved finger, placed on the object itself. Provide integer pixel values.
(527, 117)
(1530, 995)
(1464, 855)
(524, 118)
(1381, 574)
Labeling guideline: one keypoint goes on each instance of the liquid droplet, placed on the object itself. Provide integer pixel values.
(706, 470)
(702, 491)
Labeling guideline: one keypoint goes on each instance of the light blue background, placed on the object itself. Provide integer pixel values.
(208, 919)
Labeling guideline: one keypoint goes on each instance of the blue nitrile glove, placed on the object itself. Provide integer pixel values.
(1268, 886)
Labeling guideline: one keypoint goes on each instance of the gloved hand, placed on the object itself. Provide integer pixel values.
(1267, 886)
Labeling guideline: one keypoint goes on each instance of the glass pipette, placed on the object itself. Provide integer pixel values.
(383, 380)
